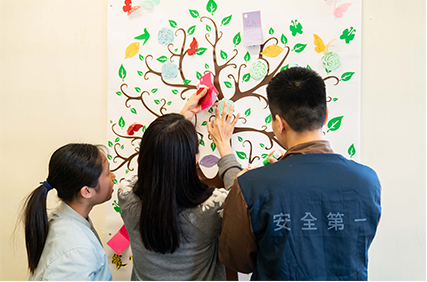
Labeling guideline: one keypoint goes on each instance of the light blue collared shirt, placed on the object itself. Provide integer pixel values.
(73, 250)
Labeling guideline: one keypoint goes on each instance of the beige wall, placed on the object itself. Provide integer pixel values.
(53, 84)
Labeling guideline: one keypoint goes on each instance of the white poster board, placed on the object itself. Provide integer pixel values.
(152, 71)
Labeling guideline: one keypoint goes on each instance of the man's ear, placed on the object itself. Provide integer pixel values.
(86, 192)
(327, 114)
(282, 124)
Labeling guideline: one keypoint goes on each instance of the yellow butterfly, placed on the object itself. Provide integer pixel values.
(320, 46)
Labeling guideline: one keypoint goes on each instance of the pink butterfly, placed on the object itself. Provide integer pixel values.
(339, 11)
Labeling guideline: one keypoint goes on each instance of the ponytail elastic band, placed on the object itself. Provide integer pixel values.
(47, 185)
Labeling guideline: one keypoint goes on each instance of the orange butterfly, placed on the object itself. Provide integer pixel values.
(127, 8)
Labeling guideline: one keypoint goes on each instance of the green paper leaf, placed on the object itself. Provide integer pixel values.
(271, 31)
(285, 67)
(118, 93)
(241, 155)
(173, 23)
(122, 122)
(169, 103)
(347, 76)
(117, 139)
(202, 143)
(284, 39)
(201, 50)
(133, 110)
(122, 72)
(308, 66)
(144, 128)
(299, 47)
(228, 84)
(198, 75)
(157, 102)
(248, 112)
(237, 39)
(351, 150)
(122, 147)
(154, 90)
(213, 146)
(263, 156)
(206, 66)
(224, 55)
(115, 181)
(141, 57)
(211, 6)
(210, 110)
(334, 124)
(137, 89)
(175, 91)
(335, 99)
(191, 30)
(247, 56)
(204, 123)
(240, 139)
(109, 157)
(268, 119)
(162, 59)
(110, 144)
(208, 28)
(186, 82)
(226, 20)
(140, 73)
(194, 13)
(261, 145)
(246, 77)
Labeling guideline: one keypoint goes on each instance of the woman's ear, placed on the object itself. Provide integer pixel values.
(327, 114)
(86, 192)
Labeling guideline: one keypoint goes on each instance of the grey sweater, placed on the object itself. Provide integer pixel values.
(197, 256)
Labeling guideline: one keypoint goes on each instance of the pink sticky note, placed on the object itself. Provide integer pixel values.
(120, 241)
(209, 98)
(252, 30)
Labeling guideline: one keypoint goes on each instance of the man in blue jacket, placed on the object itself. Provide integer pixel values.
(313, 214)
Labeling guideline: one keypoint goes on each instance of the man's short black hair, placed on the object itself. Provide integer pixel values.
(299, 96)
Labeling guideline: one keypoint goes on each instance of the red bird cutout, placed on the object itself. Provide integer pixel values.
(134, 127)
(194, 45)
(127, 8)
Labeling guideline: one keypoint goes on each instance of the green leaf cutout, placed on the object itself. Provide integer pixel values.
(271, 31)
(198, 75)
(141, 57)
(213, 146)
(154, 90)
(263, 156)
(211, 6)
(237, 39)
(173, 23)
(191, 30)
(110, 157)
(351, 150)
(228, 84)
(335, 99)
(157, 102)
(284, 67)
(204, 123)
(240, 139)
(117, 139)
(246, 77)
(194, 13)
(118, 93)
(169, 103)
(122, 122)
(284, 39)
(224, 55)
(201, 50)
(133, 110)
(247, 56)
(202, 143)
(268, 119)
(299, 47)
(140, 73)
(335, 123)
(261, 145)
(208, 28)
(175, 91)
(241, 155)
(347, 76)
(110, 144)
(122, 72)
(186, 82)
(248, 112)
(226, 20)
(206, 66)
(137, 89)
(162, 59)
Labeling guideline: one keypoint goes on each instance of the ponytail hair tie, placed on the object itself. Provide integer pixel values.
(47, 185)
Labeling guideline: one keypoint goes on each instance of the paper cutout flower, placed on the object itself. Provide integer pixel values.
(258, 69)
(221, 105)
(165, 36)
(331, 61)
(169, 70)
(149, 4)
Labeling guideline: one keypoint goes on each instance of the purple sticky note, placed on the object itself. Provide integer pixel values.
(252, 30)
(120, 241)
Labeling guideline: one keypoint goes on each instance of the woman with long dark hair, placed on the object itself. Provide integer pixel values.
(65, 245)
(172, 217)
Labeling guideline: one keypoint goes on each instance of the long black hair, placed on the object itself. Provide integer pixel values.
(71, 167)
(167, 180)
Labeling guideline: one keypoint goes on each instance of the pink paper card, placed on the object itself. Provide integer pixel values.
(208, 100)
(120, 241)
(252, 30)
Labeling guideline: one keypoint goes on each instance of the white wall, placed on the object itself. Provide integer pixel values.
(53, 85)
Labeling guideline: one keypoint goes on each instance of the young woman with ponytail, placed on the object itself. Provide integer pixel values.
(65, 245)
(172, 217)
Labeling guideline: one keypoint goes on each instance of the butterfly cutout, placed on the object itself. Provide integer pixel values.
(134, 127)
(194, 45)
(127, 8)
(320, 46)
(341, 9)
